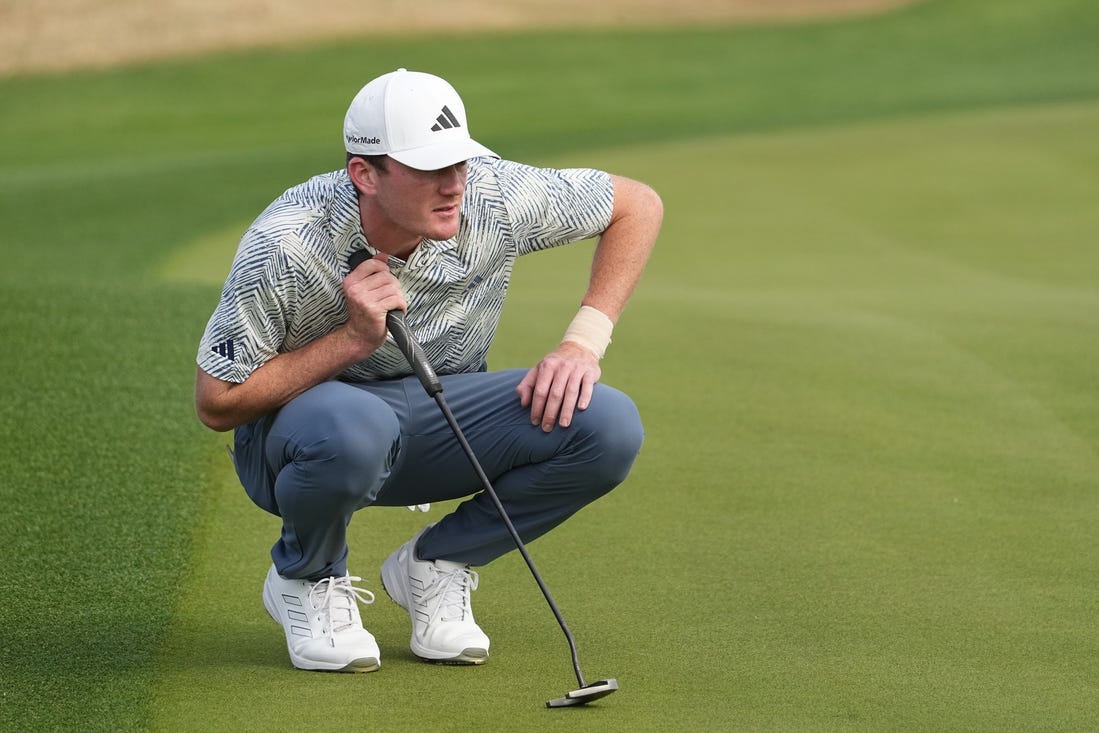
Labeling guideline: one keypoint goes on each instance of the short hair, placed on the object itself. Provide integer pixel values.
(376, 161)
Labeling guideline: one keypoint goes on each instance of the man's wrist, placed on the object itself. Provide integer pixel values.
(591, 328)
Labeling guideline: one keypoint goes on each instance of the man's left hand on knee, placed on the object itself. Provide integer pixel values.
(559, 385)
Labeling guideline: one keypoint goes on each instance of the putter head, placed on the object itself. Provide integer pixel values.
(585, 694)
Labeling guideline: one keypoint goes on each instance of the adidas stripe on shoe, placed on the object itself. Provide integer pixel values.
(321, 620)
(436, 595)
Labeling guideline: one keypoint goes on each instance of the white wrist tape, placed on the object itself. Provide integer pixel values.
(591, 328)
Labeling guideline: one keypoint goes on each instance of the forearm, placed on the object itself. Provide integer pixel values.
(225, 405)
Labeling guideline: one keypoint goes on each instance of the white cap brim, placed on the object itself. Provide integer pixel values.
(441, 155)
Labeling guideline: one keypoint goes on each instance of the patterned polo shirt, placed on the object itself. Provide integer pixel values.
(284, 289)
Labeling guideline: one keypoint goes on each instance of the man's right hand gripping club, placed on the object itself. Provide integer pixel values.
(371, 291)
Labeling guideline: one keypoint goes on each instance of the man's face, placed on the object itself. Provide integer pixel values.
(421, 203)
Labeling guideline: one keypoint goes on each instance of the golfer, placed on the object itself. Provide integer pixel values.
(328, 420)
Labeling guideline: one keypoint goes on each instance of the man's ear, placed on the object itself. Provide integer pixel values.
(363, 176)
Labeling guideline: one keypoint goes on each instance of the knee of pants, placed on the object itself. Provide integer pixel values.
(333, 445)
(613, 425)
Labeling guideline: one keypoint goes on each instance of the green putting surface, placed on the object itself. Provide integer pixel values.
(864, 353)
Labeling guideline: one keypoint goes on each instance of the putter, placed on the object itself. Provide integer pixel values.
(586, 693)
(395, 321)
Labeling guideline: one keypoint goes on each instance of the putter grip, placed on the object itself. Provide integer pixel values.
(398, 327)
(413, 352)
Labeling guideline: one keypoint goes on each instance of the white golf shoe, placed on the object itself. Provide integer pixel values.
(436, 596)
(324, 630)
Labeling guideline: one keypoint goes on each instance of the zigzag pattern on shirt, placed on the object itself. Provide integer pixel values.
(284, 289)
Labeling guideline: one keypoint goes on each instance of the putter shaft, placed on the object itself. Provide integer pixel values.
(511, 529)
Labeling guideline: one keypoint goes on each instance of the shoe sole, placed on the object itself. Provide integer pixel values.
(355, 666)
(468, 657)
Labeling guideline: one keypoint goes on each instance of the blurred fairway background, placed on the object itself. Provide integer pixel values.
(865, 353)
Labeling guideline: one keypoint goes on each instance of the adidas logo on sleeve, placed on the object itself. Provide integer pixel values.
(225, 348)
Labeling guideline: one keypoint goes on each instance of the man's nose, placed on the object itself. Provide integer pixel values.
(453, 179)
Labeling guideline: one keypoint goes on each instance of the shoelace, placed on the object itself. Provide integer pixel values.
(452, 588)
(333, 595)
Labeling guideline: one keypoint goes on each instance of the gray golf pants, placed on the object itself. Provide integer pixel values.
(340, 447)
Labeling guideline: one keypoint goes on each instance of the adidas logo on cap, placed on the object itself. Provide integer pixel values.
(445, 121)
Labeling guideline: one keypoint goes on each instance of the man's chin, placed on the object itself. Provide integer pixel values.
(443, 232)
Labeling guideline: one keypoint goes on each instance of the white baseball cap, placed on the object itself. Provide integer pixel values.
(415, 118)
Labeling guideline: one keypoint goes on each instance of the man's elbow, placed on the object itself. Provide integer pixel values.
(653, 204)
(639, 201)
(213, 403)
(646, 213)
(212, 419)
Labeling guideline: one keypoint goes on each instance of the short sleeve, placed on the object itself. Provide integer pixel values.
(249, 325)
(549, 207)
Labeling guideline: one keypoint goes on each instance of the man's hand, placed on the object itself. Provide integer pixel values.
(371, 292)
(561, 384)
